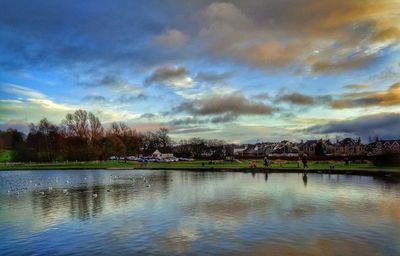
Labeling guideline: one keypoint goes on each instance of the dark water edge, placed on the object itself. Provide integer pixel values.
(151, 212)
(376, 172)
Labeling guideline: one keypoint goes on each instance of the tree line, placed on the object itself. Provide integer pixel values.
(82, 137)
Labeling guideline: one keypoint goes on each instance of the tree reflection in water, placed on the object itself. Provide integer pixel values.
(186, 212)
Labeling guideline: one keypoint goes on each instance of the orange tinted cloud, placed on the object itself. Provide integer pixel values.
(269, 34)
(327, 66)
(391, 33)
(390, 97)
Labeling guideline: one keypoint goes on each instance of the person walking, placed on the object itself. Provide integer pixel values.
(304, 160)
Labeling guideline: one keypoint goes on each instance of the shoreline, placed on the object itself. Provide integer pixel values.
(375, 172)
(360, 172)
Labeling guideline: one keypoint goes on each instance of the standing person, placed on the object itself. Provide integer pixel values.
(304, 160)
(266, 163)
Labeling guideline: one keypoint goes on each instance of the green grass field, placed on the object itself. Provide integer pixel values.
(197, 164)
(5, 155)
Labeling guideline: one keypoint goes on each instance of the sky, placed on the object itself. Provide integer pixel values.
(241, 71)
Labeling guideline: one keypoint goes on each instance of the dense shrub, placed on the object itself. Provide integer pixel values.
(387, 159)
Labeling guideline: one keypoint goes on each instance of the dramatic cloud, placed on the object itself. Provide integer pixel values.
(200, 64)
(390, 97)
(387, 34)
(95, 34)
(296, 98)
(229, 117)
(172, 38)
(228, 30)
(172, 76)
(328, 66)
(272, 54)
(384, 125)
(262, 33)
(344, 34)
(234, 103)
(217, 119)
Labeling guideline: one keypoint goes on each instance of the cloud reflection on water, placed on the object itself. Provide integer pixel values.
(193, 212)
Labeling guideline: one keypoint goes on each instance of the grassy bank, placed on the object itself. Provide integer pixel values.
(5, 155)
(197, 165)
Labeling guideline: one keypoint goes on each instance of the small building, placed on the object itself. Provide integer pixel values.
(239, 151)
(285, 151)
(158, 154)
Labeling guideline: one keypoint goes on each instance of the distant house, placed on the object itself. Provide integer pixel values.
(158, 154)
(383, 146)
(348, 147)
(308, 147)
(345, 147)
(269, 147)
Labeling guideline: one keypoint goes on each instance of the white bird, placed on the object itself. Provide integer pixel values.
(94, 195)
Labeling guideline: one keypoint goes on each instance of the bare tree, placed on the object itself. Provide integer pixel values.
(96, 129)
(163, 138)
(77, 124)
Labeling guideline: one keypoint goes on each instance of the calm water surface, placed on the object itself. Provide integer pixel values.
(108, 212)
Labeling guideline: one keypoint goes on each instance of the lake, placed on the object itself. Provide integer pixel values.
(121, 212)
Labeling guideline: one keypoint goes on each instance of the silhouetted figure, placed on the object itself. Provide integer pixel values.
(304, 160)
(266, 162)
(305, 179)
(346, 161)
(202, 164)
